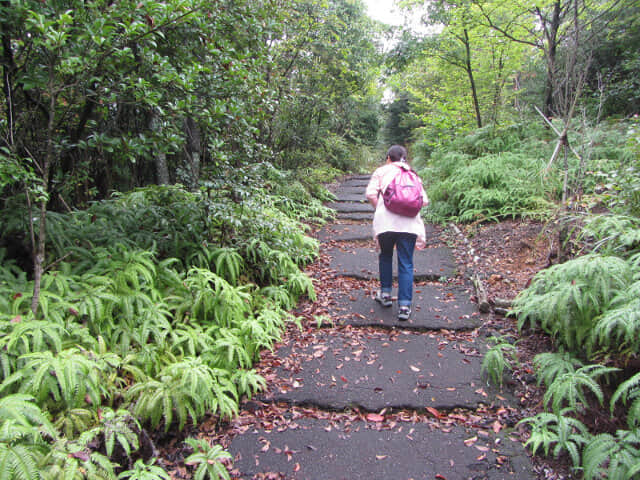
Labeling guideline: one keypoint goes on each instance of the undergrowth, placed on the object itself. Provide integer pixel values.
(155, 306)
(495, 173)
(589, 306)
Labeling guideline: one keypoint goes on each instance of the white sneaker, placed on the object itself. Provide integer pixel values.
(383, 299)
(404, 312)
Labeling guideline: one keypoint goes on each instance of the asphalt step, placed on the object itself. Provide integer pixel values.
(346, 189)
(361, 262)
(356, 182)
(355, 216)
(358, 196)
(435, 307)
(350, 232)
(376, 369)
(350, 207)
(346, 232)
(353, 449)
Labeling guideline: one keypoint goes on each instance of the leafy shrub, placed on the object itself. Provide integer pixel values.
(208, 460)
(143, 471)
(612, 457)
(566, 299)
(613, 234)
(489, 188)
(183, 390)
(495, 362)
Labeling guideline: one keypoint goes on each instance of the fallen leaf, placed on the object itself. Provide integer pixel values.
(470, 441)
(497, 426)
(434, 412)
(375, 417)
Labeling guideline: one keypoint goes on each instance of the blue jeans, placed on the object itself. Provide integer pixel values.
(404, 243)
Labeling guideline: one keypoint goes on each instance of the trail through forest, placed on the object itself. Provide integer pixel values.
(369, 397)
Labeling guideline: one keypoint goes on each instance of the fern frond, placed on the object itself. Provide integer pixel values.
(34, 336)
(629, 390)
(618, 328)
(570, 387)
(614, 233)
(248, 382)
(299, 283)
(208, 460)
(231, 350)
(20, 462)
(19, 410)
(606, 456)
(560, 431)
(494, 362)
(279, 295)
(551, 365)
(188, 388)
(228, 264)
(67, 379)
(143, 471)
(566, 299)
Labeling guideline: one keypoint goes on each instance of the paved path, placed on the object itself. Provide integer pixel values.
(390, 400)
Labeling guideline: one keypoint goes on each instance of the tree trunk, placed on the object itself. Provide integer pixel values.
(194, 151)
(38, 244)
(474, 93)
(551, 35)
(162, 169)
(7, 67)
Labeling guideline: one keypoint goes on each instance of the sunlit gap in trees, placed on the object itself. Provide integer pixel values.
(404, 18)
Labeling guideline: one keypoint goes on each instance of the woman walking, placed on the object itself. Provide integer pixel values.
(394, 230)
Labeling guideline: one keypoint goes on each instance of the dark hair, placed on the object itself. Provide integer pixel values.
(397, 153)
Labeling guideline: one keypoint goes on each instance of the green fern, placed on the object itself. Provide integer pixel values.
(67, 380)
(614, 234)
(208, 460)
(613, 458)
(20, 462)
(22, 420)
(551, 365)
(149, 360)
(143, 471)
(214, 299)
(186, 389)
(230, 350)
(299, 283)
(119, 426)
(618, 328)
(629, 392)
(565, 299)
(248, 382)
(257, 335)
(495, 362)
(74, 460)
(279, 295)
(34, 336)
(560, 431)
(570, 387)
(228, 264)
(190, 340)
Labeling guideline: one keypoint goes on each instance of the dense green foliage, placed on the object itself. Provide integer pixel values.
(496, 173)
(159, 304)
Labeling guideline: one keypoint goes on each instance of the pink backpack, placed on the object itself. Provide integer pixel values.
(403, 196)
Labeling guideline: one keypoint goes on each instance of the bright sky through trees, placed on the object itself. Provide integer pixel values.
(385, 11)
